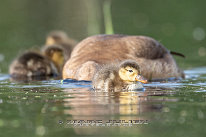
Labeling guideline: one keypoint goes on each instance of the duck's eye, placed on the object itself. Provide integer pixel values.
(130, 70)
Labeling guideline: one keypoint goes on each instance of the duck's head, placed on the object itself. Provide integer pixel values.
(56, 54)
(129, 71)
(56, 37)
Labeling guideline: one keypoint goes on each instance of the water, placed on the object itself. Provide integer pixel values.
(47, 108)
(56, 108)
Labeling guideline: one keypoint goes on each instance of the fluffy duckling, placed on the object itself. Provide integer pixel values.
(155, 61)
(123, 76)
(32, 64)
(55, 54)
(61, 39)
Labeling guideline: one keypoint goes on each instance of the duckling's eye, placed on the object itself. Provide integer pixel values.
(130, 70)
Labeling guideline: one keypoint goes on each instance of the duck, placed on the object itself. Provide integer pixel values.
(32, 64)
(56, 54)
(155, 60)
(61, 39)
(123, 76)
(47, 61)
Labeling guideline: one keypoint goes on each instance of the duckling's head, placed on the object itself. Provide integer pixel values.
(129, 71)
(56, 37)
(56, 54)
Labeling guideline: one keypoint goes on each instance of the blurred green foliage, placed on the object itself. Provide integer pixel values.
(179, 25)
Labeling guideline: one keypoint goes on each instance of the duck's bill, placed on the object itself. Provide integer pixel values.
(141, 79)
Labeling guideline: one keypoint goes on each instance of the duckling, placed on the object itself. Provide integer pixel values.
(116, 77)
(32, 64)
(155, 61)
(61, 39)
(55, 54)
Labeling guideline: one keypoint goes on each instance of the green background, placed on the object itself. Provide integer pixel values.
(173, 108)
(179, 25)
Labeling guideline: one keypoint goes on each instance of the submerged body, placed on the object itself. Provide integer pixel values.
(154, 59)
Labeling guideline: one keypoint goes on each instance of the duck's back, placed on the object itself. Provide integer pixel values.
(105, 49)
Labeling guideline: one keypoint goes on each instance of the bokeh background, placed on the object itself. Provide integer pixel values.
(179, 25)
(174, 108)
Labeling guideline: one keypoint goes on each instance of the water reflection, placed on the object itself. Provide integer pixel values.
(45, 107)
(89, 103)
(111, 108)
(31, 79)
(116, 108)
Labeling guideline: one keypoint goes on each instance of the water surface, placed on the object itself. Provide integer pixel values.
(72, 108)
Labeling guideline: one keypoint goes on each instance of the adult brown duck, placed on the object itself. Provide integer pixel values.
(155, 61)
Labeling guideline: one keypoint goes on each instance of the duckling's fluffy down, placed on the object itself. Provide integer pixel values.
(107, 77)
(32, 64)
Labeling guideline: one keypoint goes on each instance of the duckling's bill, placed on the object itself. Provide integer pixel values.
(140, 79)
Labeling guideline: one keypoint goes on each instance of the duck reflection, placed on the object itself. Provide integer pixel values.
(115, 109)
(105, 103)
(86, 108)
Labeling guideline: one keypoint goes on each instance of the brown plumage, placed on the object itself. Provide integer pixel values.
(32, 64)
(122, 76)
(154, 59)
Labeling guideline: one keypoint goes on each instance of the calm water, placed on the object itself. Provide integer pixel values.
(50, 108)
(56, 108)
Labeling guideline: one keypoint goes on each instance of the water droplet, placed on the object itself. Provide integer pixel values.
(24, 98)
(191, 100)
(199, 34)
(40, 130)
(181, 120)
(43, 110)
(183, 113)
(202, 51)
(200, 114)
(1, 57)
(166, 109)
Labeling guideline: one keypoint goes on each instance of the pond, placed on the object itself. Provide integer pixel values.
(72, 108)
(56, 108)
